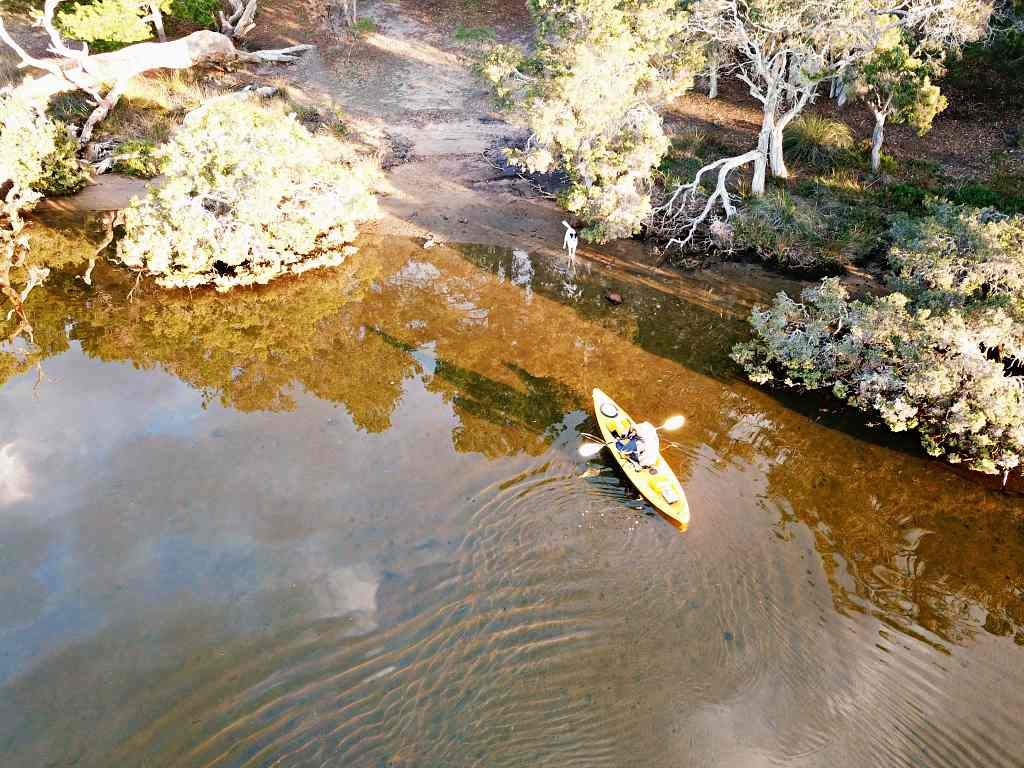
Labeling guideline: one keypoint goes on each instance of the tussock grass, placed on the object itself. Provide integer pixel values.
(154, 105)
(816, 234)
(465, 34)
(817, 141)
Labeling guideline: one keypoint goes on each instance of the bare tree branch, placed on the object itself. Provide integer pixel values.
(678, 219)
(241, 21)
(80, 71)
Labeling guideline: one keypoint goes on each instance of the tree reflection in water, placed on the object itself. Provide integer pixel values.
(899, 536)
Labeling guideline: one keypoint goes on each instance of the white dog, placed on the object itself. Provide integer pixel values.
(571, 241)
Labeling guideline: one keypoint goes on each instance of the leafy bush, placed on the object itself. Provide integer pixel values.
(977, 195)
(903, 197)
(105, 25)
(139, 159)
(35, 151)
(37, 156)
(944, 354)
(201, 12)
(817, 140)
(984, 196)
(249, 195)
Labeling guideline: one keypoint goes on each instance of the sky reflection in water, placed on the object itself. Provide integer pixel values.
(340, 521)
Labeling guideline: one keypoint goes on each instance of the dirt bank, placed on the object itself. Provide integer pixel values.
(410, 86)
(409, 92)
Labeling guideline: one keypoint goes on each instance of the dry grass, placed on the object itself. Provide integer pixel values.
(154, 105)
(9, 72)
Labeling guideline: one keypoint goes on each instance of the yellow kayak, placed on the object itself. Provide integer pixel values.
(661, 488)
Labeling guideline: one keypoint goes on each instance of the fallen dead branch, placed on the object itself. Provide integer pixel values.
(241, 21)
(678, 220)
(518, 174)
(74, 70)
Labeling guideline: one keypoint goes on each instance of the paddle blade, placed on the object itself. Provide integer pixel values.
(674, 423)
(587, 450)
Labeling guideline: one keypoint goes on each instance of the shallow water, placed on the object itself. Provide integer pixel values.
(341, 522)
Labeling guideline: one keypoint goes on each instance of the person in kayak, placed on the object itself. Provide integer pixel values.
(640, 445)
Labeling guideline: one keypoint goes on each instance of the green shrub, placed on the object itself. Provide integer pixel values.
(105, 25)
(62, 173)
(37, 156)
(941, 355)
(903, 197)
(984, 196)
(249, 195)
(978, 195)
(201, 12)
(816, 236)
(139, 159)
(35, 151)
(817, 140)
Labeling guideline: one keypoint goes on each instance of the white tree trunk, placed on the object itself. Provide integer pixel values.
(775, 154)
(157, 17)
(877, 137)
(778, 161)
(764, 143)
(842, 93)
(713, 78)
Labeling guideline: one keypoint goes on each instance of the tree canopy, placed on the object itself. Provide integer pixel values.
(603, 68)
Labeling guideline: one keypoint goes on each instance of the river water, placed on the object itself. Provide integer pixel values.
(340, 521)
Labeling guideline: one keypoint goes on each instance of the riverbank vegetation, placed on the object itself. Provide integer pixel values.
(248, 195)
(248, 191)
(940, 352)
(804, 167)
(943, 353)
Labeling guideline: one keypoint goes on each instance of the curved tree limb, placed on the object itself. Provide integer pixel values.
(679, 218)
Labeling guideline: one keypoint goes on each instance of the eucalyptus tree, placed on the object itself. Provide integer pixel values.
(604, 69)
(895, 80)
(897, 86)
(783, 50)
